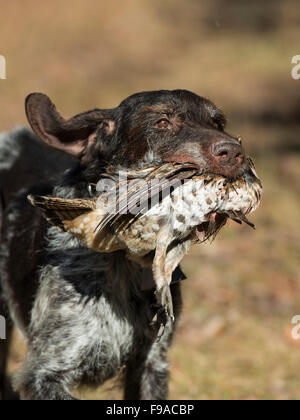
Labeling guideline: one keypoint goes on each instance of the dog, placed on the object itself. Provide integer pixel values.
(84, 314)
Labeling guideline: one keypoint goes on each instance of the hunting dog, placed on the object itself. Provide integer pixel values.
(84, 314)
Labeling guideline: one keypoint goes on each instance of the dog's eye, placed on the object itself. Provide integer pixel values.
(163, 123)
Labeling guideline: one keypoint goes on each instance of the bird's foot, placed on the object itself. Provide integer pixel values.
(165, 310)
(164, 299)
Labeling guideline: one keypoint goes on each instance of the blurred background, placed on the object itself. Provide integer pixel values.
(234, 340)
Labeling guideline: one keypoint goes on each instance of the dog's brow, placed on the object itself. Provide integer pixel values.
(157, 108)
(220, 118)
(214, 112)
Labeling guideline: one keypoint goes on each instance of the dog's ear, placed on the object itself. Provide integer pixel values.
(74, 136)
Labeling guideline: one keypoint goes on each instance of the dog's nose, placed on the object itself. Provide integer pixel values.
(228, 153)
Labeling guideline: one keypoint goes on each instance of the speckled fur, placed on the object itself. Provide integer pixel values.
(84, 314)
(88, 320)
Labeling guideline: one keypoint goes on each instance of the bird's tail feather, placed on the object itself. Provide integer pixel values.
(58, 210)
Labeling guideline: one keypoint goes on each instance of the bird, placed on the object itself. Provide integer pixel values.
(154, 213)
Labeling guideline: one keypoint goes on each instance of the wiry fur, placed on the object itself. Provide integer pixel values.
(85, 314)
(89, 316)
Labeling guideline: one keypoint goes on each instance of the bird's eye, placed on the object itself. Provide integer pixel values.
(163, 123)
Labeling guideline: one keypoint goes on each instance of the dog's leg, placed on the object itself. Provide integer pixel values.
(6, 392)
(147, 376)
(70, 340)
(4, 382)
(42, 378)
(147, 373)
(53, 353)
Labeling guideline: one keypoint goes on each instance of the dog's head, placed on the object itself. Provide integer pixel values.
(159, 126)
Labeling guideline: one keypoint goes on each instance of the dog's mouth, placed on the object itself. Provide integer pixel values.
(215, 199)
(200, 202)
(239, 197)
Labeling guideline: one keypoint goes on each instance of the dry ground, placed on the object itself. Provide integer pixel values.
(234, 340)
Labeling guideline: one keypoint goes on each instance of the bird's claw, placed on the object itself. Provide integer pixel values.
(165, 310)
(164, 299)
